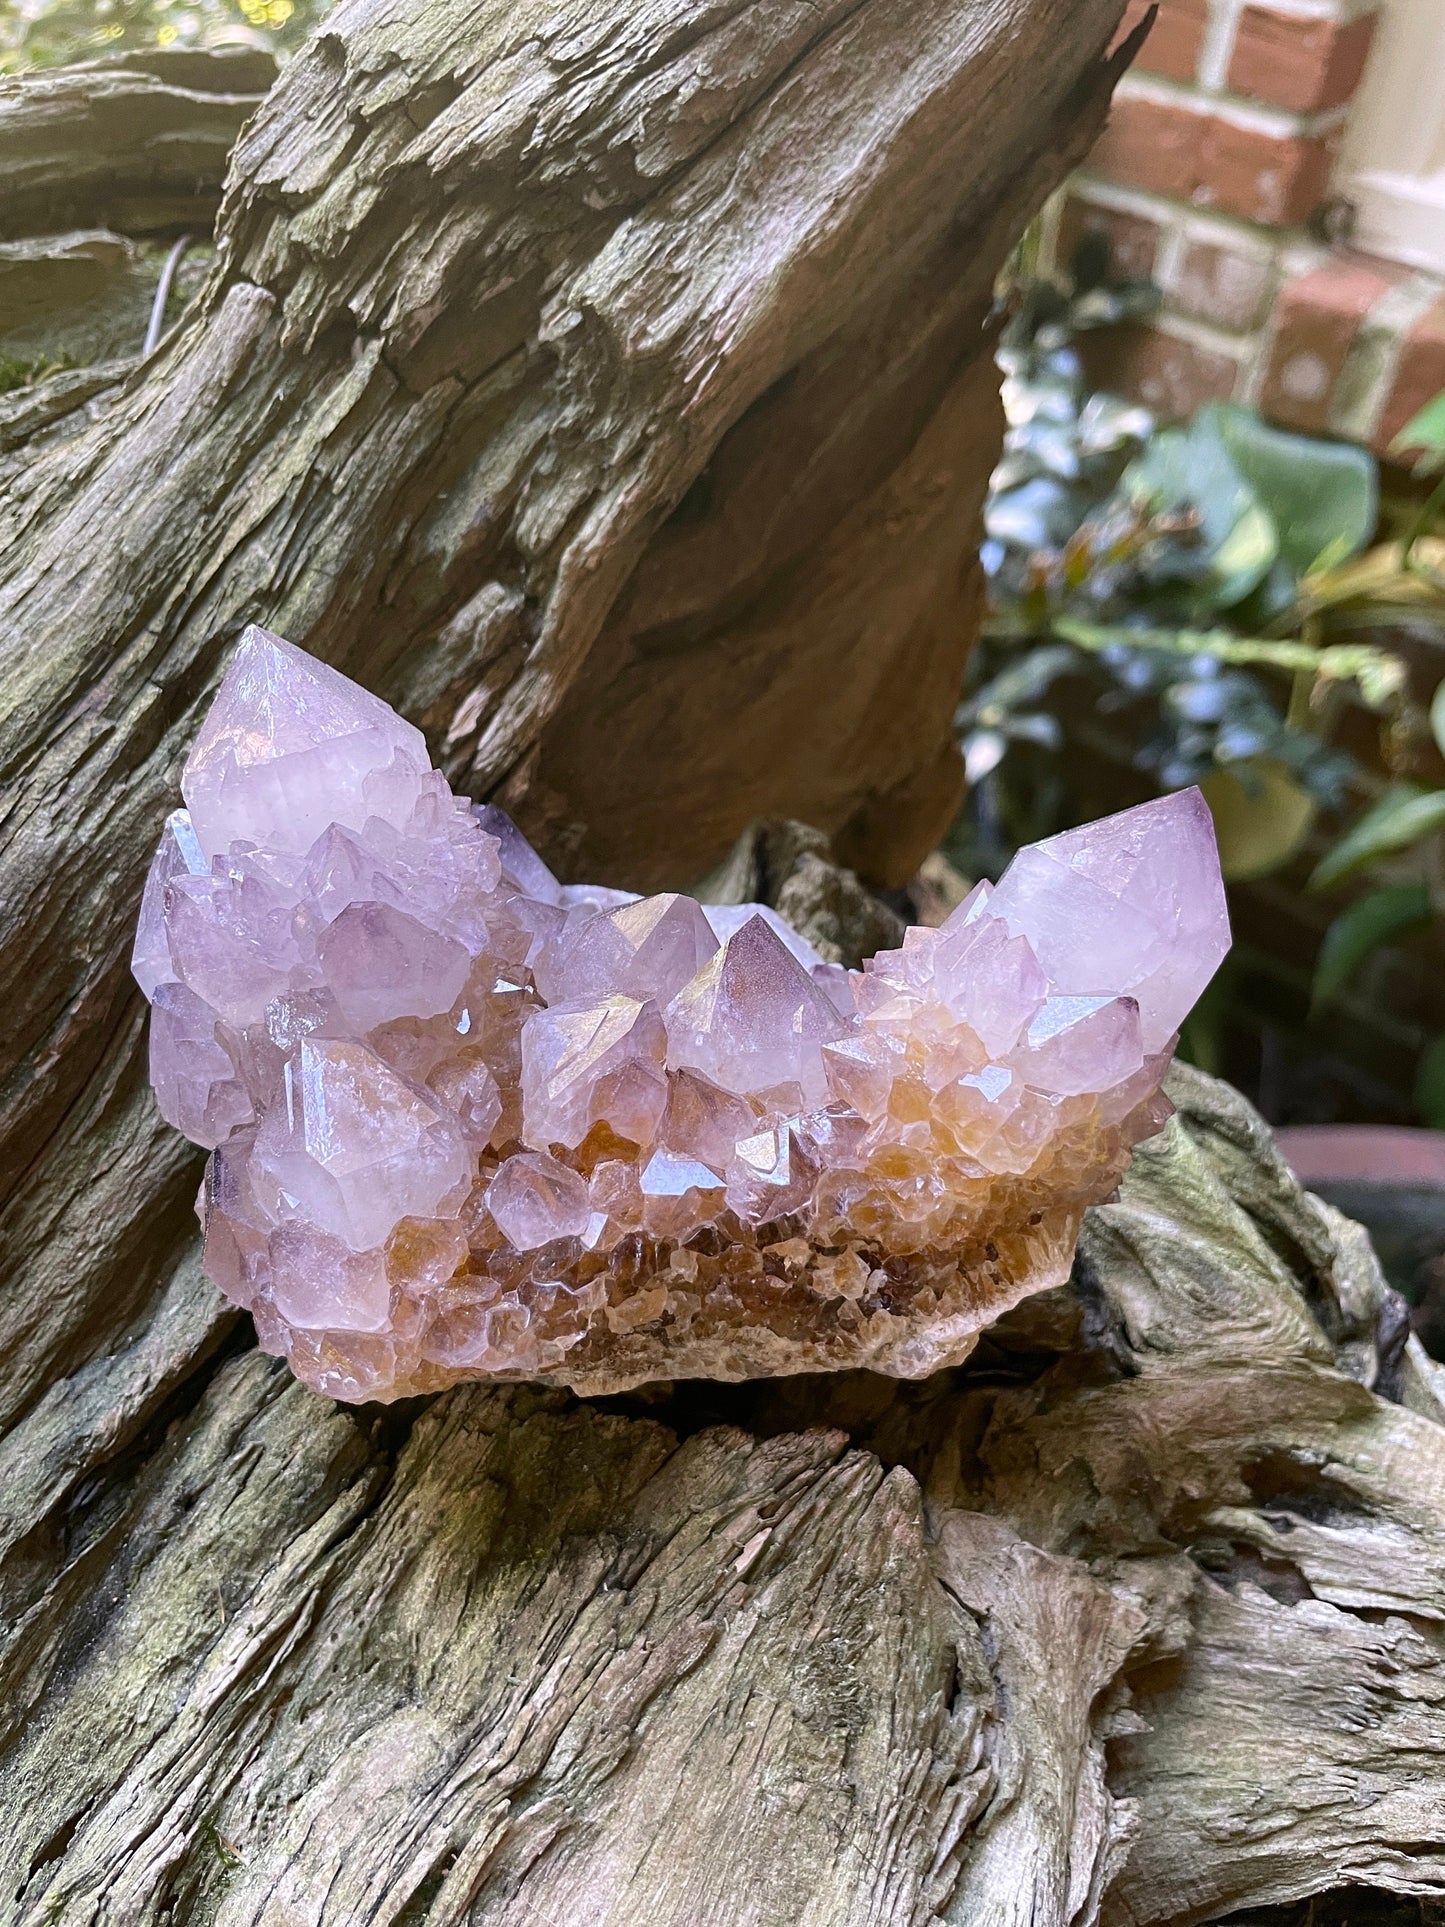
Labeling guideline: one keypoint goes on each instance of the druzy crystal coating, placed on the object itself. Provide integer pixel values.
(468, 1122)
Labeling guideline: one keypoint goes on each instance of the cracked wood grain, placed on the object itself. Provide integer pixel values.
(137, 142)
(1136, 1618)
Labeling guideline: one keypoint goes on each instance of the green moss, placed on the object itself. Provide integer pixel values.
(19, 371)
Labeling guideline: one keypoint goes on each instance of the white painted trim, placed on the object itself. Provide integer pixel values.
(1340, 10)
(1393, 163)
(1401, 216)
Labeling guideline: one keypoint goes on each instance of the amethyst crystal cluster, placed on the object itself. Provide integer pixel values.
(466, 1122)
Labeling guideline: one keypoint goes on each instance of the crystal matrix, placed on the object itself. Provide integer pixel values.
(467, 1122)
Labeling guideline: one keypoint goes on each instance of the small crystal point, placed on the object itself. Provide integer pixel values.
(536, 1199)
(753, 1020)
(769, 1176)
(466, 1121)
(586, 1064)
(196, 1082)
(382, 964)
(679, 1195)
(290, 746)
(353, 1148)
(178, 855)
(971, 909)
(320, 1284)
(726, 919)
(1132, 904)
(991, 980)
(521, 865)
(646, 948)
(1079, 1044)
(232, 938)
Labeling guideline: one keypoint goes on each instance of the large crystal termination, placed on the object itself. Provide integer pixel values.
(466, 1122)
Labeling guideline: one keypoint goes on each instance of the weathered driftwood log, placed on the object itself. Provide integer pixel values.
(1137, 1618)
(138, 143)
(594, 379)
(607, 385)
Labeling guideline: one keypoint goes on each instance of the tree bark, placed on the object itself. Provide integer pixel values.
(610, 387)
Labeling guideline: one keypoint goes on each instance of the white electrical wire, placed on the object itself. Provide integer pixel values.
(163, 294)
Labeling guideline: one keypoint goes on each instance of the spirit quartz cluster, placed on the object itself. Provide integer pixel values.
(466, 1122)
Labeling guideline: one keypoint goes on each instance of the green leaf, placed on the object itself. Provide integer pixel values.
(1020, 683)
(1430, 1084)
(1402, 816)
(1262, 814)
(1437, 717)
(1425, 431)
(1359, 931)
(1323, 497)
(1191, 468)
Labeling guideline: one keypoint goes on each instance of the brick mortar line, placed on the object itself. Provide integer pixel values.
(1294, 246)
(1255, 117)
(1230, 345)
(1217, 49)
(1362, 390)
(1169, 255)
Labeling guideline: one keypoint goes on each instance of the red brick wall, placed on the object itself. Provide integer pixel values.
(1193, 151)
(1301, 64)
(1303, 55)
(1213, 178)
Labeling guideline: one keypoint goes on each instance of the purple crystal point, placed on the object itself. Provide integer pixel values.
(466, 1120)
(318, 1283)
(382, 964)
(290, 747)
(679, 1195)
(753, 1020)
(1078, 1044)
(647, 948)
(726, 919)
(972, 907)
(196, 1083)
(521, 865)
(586, 1064)
(536, 1199)
(769, 1175)
(232, 937)
(1133, 904)
(990, 980)
(352, 1148)
(178, 855)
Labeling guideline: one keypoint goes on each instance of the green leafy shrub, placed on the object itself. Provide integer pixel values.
(1207, 593)
(1175, 565)
(1400, 838)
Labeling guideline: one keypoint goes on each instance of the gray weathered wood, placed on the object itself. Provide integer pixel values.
(1136, 1618)
(137, 142)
